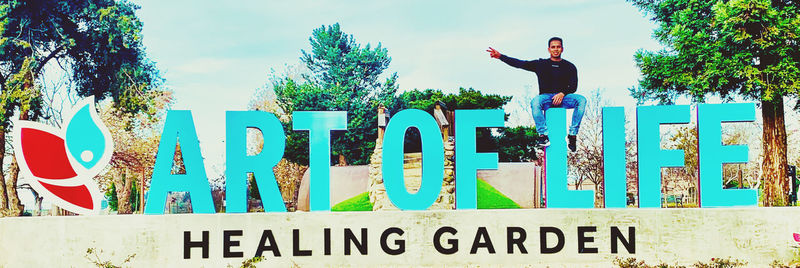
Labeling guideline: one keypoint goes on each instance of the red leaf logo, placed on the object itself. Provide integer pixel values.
(60, 163)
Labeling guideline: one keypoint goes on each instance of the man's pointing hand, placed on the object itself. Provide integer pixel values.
(494, 53)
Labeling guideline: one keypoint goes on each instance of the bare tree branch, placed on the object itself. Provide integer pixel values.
(52, 54)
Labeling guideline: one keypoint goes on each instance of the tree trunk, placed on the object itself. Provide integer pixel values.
(3, 194)
(37, 210)
(141, 192)
(123, 186)
(11, 188)
(39, 206)
(776, 184)
(599, 193)
(15, 208)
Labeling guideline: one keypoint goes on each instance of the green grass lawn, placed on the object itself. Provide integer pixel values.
(491, 198)
(359, 202)
(488, 198)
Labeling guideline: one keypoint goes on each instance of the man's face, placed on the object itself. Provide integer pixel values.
(555, 49)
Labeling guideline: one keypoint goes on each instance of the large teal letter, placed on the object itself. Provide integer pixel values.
(319, 124)
(713, 154)
(469, 161)
(239, 164)
(651, 157)
(432, 160)
(179, 129)
(558, 195)
(614, 157)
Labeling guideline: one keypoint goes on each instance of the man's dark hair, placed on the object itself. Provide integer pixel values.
(555, 39)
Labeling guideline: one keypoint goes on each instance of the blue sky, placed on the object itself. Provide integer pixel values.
(215, 54)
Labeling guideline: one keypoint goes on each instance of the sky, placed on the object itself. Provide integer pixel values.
(214, 55)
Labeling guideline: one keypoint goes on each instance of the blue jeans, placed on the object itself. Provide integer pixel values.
(570, 101)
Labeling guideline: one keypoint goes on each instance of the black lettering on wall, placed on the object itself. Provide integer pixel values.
(630, 243)
(227, 244)
(543, 231)
(400, 243)
(267, 235)
(511, 241)
(327, 241)
(583, 239)
(188, 244)
(437, 243)
(349, 237)
(482, 235)
(296, 251)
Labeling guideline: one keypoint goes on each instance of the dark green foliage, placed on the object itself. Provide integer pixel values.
(111, 196)
(134, 197)
(98, 42)
(465, 99)
(336, 60)
(517, 144)
(344, 77)
(113, 202)
(252, 187)
(743, 48)
(732, 184)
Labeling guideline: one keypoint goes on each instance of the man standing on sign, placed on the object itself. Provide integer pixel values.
(558, 81)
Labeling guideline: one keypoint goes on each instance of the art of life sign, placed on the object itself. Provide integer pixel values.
(712, 155)
(63, 161)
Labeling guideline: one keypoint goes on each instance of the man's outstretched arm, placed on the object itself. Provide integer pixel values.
(522, 64)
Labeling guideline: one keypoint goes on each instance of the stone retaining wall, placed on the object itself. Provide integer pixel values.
(412, 170)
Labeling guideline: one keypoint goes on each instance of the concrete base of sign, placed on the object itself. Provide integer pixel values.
(514, 238)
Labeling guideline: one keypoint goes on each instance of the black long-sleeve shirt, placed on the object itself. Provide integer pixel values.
(554, 76)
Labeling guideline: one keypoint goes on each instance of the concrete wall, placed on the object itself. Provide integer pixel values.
(674, 236)
(346, 182)
(515, 180)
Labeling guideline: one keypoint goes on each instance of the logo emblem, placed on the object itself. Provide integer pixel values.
(796, 237)
(61, 163)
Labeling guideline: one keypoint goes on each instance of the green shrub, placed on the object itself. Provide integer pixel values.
(715, 263)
